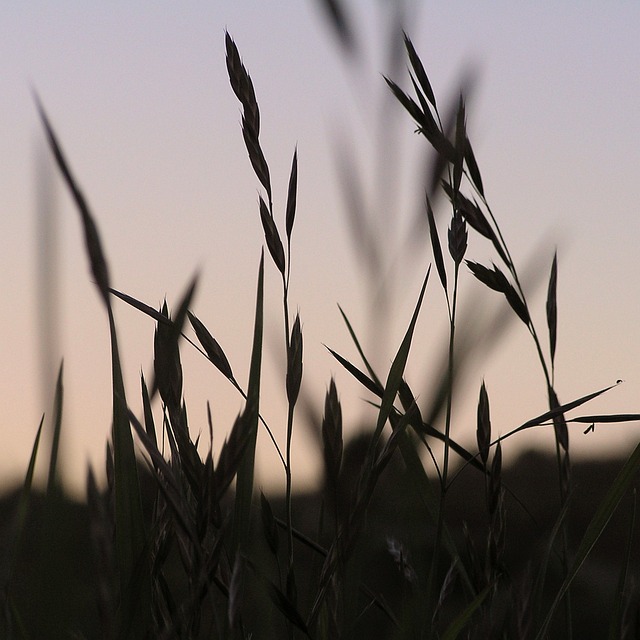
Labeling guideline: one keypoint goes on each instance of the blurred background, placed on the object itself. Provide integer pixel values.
(139, 97)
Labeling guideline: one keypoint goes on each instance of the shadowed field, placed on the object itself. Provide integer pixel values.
(58, 585)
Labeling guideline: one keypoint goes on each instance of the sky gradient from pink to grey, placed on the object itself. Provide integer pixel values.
(139, 97)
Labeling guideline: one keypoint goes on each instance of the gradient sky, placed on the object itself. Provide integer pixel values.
(139, 97)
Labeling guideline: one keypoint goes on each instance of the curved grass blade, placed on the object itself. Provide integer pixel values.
(130, 527)
(92, 240)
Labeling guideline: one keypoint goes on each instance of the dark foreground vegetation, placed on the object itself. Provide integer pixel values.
(412, 536)
(58, 576)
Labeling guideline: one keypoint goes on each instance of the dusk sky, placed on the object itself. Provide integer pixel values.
(139, 97)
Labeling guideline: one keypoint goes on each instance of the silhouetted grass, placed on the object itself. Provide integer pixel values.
(199, 555)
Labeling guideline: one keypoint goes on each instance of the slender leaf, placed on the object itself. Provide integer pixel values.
(552, 307)
(53, 481)
(549, 415)
(338, 17)
(593, 532)
(461, 139)
(617, 612)
(461, 621)
(23, 502)
(244, 483)
(141, 306)
(613, 417)
(361, 377)
(92, 240)
(269, 525)
(372, 373)
(130, 528)
(435, 244)
(396, 372)
(149, 423)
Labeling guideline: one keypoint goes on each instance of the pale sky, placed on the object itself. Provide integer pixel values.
(139, 97)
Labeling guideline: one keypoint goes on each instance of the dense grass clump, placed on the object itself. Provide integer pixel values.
(406, 539)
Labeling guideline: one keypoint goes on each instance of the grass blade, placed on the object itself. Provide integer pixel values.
(53, 480)
(130, 528)
(244, 483)
(141, 306)
(396, 372)
(593, 532)
(552, 306)
(369, 368)
(435, 244)
(361, 377)
(617, 613)
(131, 544)
(562, 409)
(92, 240)
(23, 503)
(12, 616)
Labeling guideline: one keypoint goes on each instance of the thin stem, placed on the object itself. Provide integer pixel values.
(433, 571)
(549, 379)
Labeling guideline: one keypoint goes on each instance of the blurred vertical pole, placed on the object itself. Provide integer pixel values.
(47, 283)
